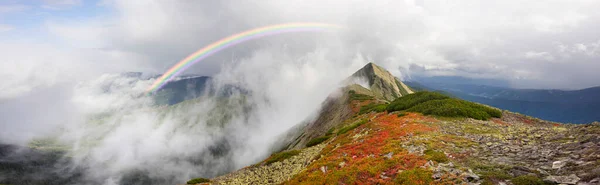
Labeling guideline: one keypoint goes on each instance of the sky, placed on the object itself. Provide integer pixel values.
(531, 44)
(60, 62)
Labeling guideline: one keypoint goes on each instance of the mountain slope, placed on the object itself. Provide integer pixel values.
(337, 108)
(373, 146)
(577, 106)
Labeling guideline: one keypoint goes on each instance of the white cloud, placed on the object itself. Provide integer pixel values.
(5, 27)
(60, 4)
(539, 55)
(13, 8)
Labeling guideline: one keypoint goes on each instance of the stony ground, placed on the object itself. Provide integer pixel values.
(274, 173)
(418, 149)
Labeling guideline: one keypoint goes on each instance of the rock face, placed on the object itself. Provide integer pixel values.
(381, 82)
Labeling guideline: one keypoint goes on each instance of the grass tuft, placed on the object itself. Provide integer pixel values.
(360, 97)
(373, 107)
(198, 181)
(416, 176)
(436, 156)
(317, 140)
(281, 156)
(352, 126)
(527, 180)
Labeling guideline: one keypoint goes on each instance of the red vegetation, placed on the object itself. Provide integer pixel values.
(499, 122)
(362, 155)
(357, 104)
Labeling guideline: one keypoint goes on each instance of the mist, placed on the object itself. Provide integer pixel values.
(64, 77)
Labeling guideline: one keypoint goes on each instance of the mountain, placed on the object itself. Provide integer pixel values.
(575, 106)
(381, 83)
(180, 90)
(371, 133)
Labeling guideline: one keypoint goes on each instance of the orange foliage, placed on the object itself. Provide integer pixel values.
(499, 122)
(360, 158)
(355, 105)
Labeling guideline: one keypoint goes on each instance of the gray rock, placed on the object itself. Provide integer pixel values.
(470, 176)
(571, 179)
(324, 169)
(558, 164)
(388, 155)
(437, 175)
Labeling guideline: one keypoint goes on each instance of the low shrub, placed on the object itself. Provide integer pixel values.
(373, 107)
(436, 156)
(452, 108)
(317, 140)
(408, 101)
(198, 181)
(347, 128)
(493, 177)
(527, 180)
(360, 97)
(402, 114)
(433, 103)
(416, 176)
(281, 156)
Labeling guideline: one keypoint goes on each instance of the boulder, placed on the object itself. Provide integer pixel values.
(558, 164)
(571, 179)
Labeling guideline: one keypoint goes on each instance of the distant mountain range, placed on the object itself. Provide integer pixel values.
(576, 106)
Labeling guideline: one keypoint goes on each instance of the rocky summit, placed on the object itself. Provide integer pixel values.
(386, 133)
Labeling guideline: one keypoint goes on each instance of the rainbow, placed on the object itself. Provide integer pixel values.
(232, 41)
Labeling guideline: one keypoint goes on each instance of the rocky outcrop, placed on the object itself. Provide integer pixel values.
(382, 83)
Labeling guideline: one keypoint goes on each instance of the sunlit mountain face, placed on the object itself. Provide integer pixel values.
(299, 92)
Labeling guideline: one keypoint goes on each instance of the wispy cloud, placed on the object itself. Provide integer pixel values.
(13, 8)
(5, 27)
(60, 4)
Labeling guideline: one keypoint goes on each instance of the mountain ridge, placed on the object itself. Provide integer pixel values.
(357, 140)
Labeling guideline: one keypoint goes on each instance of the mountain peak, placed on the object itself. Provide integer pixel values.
(381, 82)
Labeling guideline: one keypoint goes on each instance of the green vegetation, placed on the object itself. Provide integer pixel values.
(408, 101)
(415, 176)
(455, 108)
(198, 181)
(360, 97)
(281, 156)
(433, 103)
(317, 140)
(330, 131)
(527, 180)
(402, 114)
(347, 128)
(493, 177)
(436, 156)
(372, 107)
